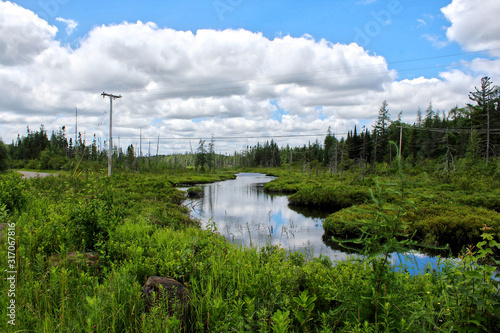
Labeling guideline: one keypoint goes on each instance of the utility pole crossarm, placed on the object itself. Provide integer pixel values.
(111, 95)
(110, 154)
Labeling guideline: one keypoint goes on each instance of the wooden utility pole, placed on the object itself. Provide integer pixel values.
(110, 154)
(488, 133)
(76, 125)
(400, 140)
(140, 142)
(447, 155)
(157, 148)
(149, 155)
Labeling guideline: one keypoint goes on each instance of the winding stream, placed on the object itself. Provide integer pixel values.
(244, 214)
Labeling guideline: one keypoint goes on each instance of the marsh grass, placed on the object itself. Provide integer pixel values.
(142, 231)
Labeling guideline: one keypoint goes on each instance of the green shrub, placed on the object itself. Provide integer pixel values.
(331, 197)
(457, 226)
(95, 217)
(433, 224)
(284, 184)
(12, 192)
(4, 157)
(196, 192)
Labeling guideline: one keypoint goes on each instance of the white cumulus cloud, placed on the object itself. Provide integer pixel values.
(195, 83)
(474, 24)
(23, 35)
(70, 24)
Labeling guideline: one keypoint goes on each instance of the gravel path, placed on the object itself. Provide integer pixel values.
(30, 174)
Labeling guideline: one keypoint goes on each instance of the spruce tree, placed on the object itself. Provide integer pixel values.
(485, 98)
(381, 133)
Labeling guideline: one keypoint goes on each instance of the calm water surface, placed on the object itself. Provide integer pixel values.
(245, 215)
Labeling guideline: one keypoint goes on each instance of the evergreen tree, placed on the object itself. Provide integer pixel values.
(486, 97)
(354, 143)
(381, 133)
(430, 135)
(94, 155)
(329, 146)
(71, 149)
(211, 154)
(30, 147)
(58, 142)
(429, 116)
(367, 146)
(419, 118)
(4, 157)
(130, 157)
(201, 156)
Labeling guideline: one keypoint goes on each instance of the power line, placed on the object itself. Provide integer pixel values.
(443, 56)
(233, 137)
(270, 136)
(101, 119)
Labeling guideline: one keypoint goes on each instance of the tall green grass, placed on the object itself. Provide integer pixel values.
(134, 224)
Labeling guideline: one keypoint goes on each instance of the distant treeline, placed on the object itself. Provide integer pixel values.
(471, 131)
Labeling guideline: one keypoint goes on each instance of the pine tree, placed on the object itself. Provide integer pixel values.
(130, 157)
(381, 132)
(430, 137)
(485, 99)
(201, 156)
(211, 154)
(419, 118)
(330, 145)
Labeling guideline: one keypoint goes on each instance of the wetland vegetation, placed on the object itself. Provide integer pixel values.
(84, 244)
(134, 226)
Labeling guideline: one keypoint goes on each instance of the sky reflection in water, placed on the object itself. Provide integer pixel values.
(245, 215)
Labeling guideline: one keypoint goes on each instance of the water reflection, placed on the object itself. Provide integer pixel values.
(246, 215)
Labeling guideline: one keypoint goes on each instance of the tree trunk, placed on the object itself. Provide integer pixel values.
(488, 134)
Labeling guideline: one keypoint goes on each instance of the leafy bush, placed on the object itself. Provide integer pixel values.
(332, 197)
(284, 184)
(457, 226)
(96, 216)
(4, 157)
(196, 192)
(12, 192)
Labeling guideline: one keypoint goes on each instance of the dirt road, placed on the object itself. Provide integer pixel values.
(30, 174)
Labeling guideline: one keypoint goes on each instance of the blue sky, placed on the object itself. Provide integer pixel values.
(340, 60)
(399, 30)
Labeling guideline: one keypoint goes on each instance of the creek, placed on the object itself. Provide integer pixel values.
(244, 214)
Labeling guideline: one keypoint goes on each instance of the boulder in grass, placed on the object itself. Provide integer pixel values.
(166, 289)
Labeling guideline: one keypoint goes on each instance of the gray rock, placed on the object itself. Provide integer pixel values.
(166, 289)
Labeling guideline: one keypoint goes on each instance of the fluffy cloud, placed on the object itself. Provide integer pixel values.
(23, 35)
(191, 84)
(475, 25)
(436, 40)
(70, 24)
